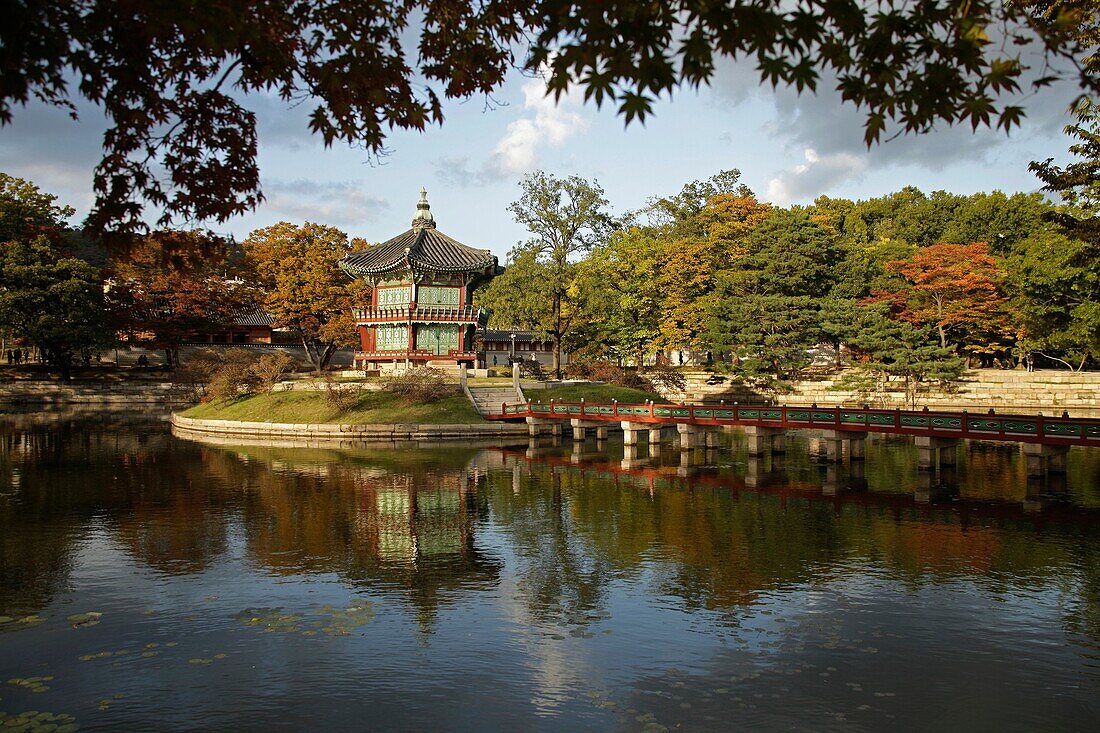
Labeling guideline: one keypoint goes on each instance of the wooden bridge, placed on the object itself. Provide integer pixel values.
(1046, 439)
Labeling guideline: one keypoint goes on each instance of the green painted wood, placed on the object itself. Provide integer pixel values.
(853, 418)
(950, 423)
(771, 414)
(798, 415)
(913, 421)
(1062, 429)
(823, 416)
(1019, 426)
(986, 425)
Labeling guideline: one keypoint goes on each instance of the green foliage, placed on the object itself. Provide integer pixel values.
(26, 211)
(766, 311)
(1079, 182)
(1055, 286)
(539, 290)
(53, 301)
(892, 350)
(175, 80)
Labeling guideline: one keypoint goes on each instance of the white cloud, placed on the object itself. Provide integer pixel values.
(338, 203)
(815, 176)
(546, 123)
(552, 123)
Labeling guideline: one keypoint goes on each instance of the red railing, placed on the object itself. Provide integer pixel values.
(416, 314)
(416, 355)
(1062, 430)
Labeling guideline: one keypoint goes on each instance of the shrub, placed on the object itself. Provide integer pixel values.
(531, 368)
(236, 376)
(192, 377)
(419, 385)
(270, 368)
(663, 377)
(342, 396)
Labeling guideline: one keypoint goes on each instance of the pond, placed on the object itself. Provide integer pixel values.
(151, 582)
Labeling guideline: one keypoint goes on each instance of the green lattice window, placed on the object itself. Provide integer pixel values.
(391, 337)
(435, 295)
(436, 338)
(390, 297)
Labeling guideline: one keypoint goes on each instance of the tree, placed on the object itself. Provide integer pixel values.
(703, 231)
(305, 290)
(54, 301)
(174, 78)
(26, 211)
(623, 276)
(954, 287)
(48, 297)
(1078, 183)
(890, 349)
(568, 217)
(1055, 286)
(766, 308)
(172, 287)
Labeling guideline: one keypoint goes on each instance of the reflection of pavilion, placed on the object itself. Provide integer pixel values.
(421, 540)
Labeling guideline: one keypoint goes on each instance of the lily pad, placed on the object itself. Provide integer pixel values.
(79, 620)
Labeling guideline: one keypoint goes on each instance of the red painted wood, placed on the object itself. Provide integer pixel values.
(591, 411)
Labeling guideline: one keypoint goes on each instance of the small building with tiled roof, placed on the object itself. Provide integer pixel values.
(421, 303)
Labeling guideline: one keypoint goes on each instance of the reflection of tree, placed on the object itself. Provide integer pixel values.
(716, 546)
(56, 476)
(560, 579)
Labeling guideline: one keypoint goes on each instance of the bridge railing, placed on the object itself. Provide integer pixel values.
(973, 425)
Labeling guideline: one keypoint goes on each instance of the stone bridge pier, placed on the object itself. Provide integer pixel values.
(761, 440)
(933, 451)
(581, 428)
(835, 441)
(1043, 459)
(690, 435)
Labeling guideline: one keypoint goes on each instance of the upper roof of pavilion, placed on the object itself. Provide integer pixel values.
(421, 248)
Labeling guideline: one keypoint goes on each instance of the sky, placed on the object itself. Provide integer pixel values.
(789, 149)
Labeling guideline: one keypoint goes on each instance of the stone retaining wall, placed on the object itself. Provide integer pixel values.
(312, 431)
(40, 392)
(1002, 390)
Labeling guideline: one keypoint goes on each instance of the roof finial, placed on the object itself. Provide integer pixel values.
(423, 218)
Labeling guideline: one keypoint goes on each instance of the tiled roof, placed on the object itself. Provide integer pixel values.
(506, 336)
(425, 248)
(253, 317)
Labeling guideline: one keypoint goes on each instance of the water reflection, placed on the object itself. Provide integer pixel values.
(578, 585)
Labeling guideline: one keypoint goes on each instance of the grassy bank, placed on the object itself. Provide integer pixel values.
(372, 408)
(601, 393)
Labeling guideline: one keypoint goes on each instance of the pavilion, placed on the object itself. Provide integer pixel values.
(421, 303)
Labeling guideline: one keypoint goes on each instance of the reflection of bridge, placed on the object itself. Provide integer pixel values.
(844, 485)
(1046, 439)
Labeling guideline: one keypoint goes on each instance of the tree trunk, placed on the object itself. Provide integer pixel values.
(557, 336)
(943, 336)
(325, 356)
(64, 361)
